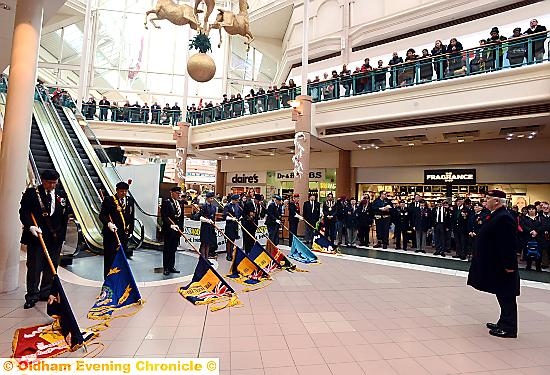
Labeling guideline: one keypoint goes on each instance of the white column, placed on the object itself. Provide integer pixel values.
(16, 134)
(84, 61)
(305, 47)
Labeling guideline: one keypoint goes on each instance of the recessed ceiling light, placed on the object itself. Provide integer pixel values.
(411, 144)
(508, 138)
(359, 146)
(521, 135)
(247, 156)
(510, 134)
(533, 133)
(363, 148)
(271, 154)
(531, 137)
(460, 140)
(376, 147)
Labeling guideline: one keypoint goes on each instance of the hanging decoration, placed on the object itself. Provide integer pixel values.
(180, 164)
(299, 138)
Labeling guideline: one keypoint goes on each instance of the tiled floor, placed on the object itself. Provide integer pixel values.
(349, 315)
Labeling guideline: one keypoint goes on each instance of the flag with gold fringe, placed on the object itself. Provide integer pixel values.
(301, 253)
(119, 291)
(49, 340)
(280, 257)
(207, 286)
(322, 244)
(244, 271)
(263, 259)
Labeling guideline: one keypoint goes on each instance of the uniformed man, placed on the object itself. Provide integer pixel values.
(171, 211)
(232, 213)
(251, 214)
(460, 228)
(442, 224)
(293, 216)
(329, 218)
(209, 242)
(273, 219)
(402, 221)
(381, 208)
(311, 214)
(117, 215)
(474, 225)
(49, 208)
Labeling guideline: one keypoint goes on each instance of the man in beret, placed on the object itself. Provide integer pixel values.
(252, 210)
(117, 215)
(273, 219)
(171, 212)
(209, 242)
(494, 267)
(232, 213)
(49, 208)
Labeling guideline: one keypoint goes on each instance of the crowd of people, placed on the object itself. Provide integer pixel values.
(441, 62)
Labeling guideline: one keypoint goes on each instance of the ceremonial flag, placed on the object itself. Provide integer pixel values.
(50, 340)
(323, 245)
(281, 258)
(300, 252)
(207, 286)
(263, 259)
(119, 290)
(246, 272)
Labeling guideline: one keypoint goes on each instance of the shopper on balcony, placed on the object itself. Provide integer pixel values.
(477, 64)
(176, 113)
(496, 51)
(440, 61)
(345, 78)
(538, 41)
(104, 105)
(426, 68)
(366, 80)
(285, 95)
(155, 113)
(380, 76)
(90, 108)
(394, 74)
(455, 57)
(126, 111)
(135, 113)
(114, 112)
(250, 102)
(145, 113)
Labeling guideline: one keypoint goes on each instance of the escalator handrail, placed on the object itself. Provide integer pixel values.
(110, 162)
(56, 119)
(37, 179)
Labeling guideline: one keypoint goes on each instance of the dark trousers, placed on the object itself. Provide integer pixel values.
(398, 234)
(273, 233)
(461, 243)
(171, 242)
(363, 234)
(110, 247)
(37, 265)
(248, 241)
(383, 230)
(309, 234)
(508, 320)
(102, 114)
(330, 230)
(440, 235)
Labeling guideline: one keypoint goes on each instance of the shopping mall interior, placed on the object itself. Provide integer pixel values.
(276, 187)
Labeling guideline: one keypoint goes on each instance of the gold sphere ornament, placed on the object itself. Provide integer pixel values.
(201, 67)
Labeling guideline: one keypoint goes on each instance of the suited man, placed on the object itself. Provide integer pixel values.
(412, 206)
(329, 217)
(538, 45)
(104, 105)
(475, 223)
(421, 222)
(252, 210)
(494, 267)
(117, 215)
(381, 208)
(311, 213)
(273, 219)
(155, 113)
(293, 216)
(232, 213)
(171, 212)
(364, 221)
(442, 225)
(402, 221)
(49, 208)
(460, 228)
(209, 242)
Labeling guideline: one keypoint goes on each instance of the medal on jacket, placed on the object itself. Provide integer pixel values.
(119, 209)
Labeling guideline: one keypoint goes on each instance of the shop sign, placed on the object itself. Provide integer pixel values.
(246, 178)
(314, 175)
(450, 177)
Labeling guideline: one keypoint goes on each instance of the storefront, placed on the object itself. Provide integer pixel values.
(524, 183)
(246, 182)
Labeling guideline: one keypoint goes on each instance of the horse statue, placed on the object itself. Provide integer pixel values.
(235, 24)
(210, 4)
(180, 15)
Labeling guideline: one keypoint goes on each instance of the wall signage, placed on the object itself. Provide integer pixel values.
(314, 175)
(246, 178)
(450, 177)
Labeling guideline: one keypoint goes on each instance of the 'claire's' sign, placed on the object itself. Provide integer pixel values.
(450, 177)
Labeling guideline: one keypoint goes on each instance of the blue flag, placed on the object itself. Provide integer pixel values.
(323, 245)
(244, 271)
(207, 286)
(119, 290)
(263, 259)
(300, 252)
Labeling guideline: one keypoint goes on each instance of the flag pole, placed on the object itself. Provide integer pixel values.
(185, 237)
(44, 248)
(238, 222)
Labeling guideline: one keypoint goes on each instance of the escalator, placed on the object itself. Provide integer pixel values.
(39, 150)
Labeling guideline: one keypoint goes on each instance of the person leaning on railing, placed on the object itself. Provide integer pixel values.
(440, 62)
(455, 57)
(537, 43)
(155, 113)
(394, 74)
(380, 76)
(345, 78)
(517, 50)
(496, 51)
(426, 70)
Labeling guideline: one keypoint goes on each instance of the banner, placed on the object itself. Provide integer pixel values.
(323, 245)
(246, 272)
(192, 230)
(263, 259)
(300, 252)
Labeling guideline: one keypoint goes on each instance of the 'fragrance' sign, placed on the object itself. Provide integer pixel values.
(450, 177)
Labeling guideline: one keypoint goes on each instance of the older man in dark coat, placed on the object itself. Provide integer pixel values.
(494, 267)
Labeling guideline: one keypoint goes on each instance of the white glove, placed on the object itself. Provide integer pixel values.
(175, 227)
(35, 230)
(278, 221)
(112, 227)
(298, 216)
(232, 218)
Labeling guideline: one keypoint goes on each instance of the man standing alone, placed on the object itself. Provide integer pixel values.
(494, 267)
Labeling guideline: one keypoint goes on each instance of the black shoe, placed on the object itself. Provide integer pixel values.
(437, 253)
(492, 325)
(398, 248)
(29, 304)
(173, 270)
(442, 254)
(501, 333)
(166, 273)
(378, 245)
(462, 258)
(456, 256)
(384, 246)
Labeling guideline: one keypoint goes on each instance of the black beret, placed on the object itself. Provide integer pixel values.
(258, 197)
(278, 197)
(50, 175)
(496, 193)
(494, 30)
(235, 196)
(122, 186)
(176, 189)
(210, 194)
(531, 207)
